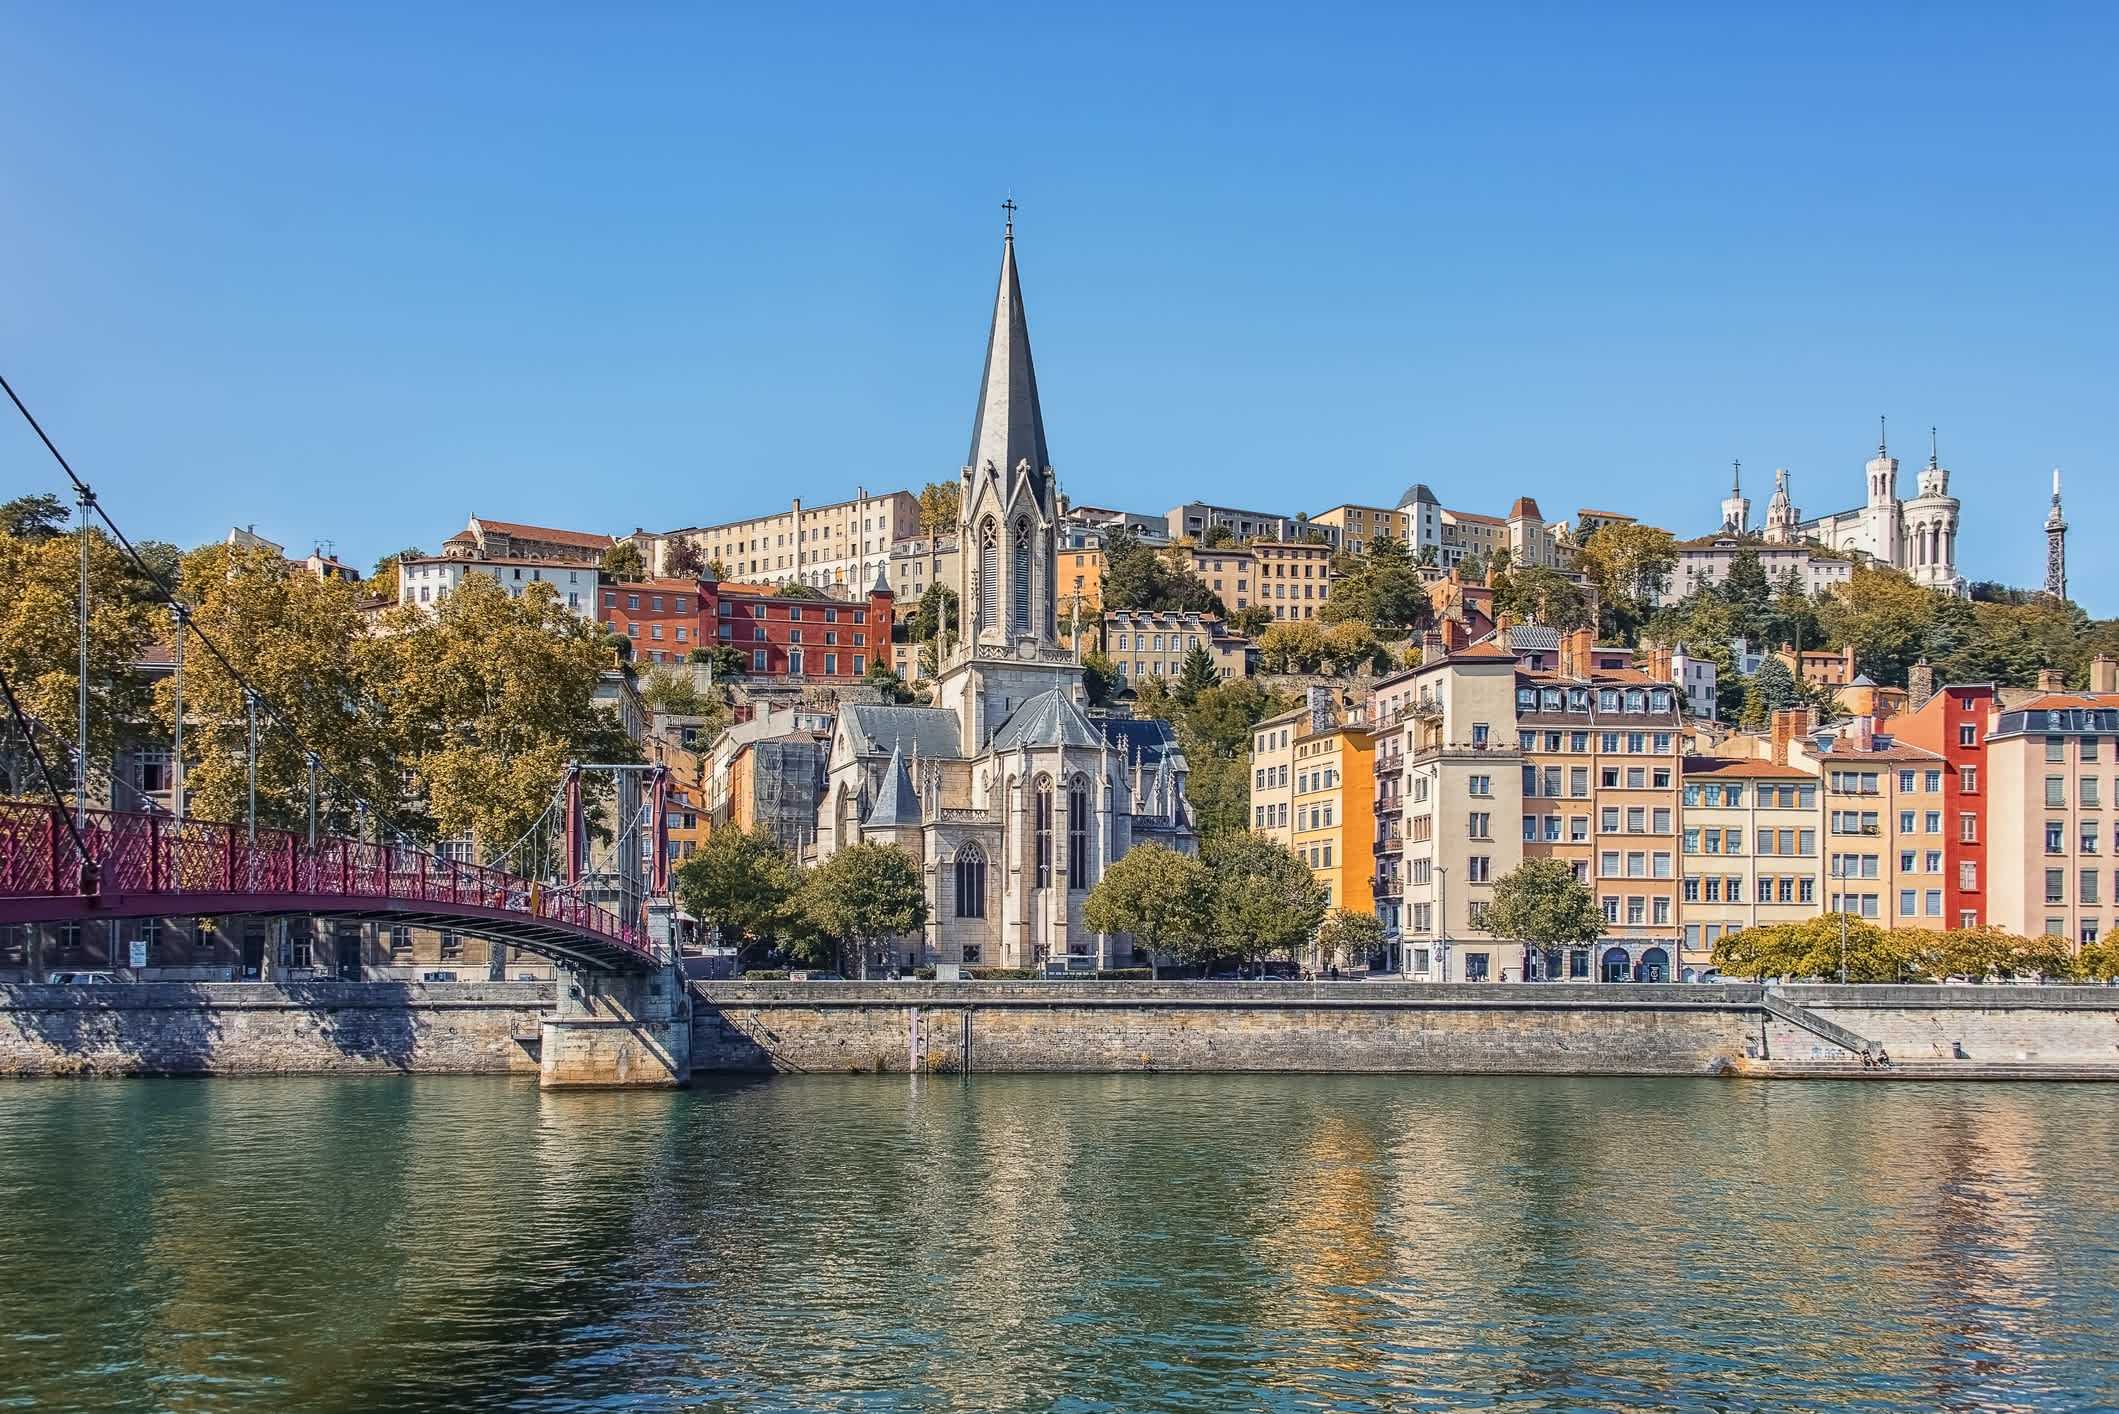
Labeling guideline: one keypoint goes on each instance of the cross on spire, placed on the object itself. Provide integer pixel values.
(1736, 477)
(1882, 443)
(1011, 208)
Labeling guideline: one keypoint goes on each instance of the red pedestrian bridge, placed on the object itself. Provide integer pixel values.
(149, 866)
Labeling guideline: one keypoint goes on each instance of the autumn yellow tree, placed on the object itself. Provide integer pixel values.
(487, 699)
(40, 648)
(299, 641)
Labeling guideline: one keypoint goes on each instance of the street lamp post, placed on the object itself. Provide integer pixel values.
(250, 710)
(176, 760)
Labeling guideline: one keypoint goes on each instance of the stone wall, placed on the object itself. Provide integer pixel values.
(2001, 1025)
(1088, 1026)
(307, 1028)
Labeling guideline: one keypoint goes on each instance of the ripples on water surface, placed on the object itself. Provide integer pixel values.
(1120, 1243)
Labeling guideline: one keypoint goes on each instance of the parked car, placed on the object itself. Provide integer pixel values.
(83, 979)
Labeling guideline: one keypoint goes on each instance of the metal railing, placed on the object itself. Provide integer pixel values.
(154, 854)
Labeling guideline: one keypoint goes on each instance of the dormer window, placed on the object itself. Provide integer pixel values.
(1608, 700)
(1659, 702)
(1635, 700)
(1526, 699)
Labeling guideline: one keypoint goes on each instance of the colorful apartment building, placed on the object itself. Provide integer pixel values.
(1357, 528)
(1273, 775)
(1884, 810)
(1146, 643)
(659, 617)
(778, 636)
(1294, 577)
(1750, 853)
(1601, 790)
(1230, 573)
(2052, 794)
(1445, 805)
(1953, 723)
(1334, 783)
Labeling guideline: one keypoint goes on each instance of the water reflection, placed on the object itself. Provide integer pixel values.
(1087, 1243)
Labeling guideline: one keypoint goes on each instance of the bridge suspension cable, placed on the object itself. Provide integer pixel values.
(51, 782)
(273, 714)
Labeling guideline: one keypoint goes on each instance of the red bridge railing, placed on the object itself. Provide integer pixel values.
(140, 854)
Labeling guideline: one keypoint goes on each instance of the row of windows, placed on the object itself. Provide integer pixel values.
(1546, 779)
(1709, 840)
(1909, 781)
(1639, 864)
(2056, 748)
(2086, 885)
(1768, 798)
(1635, 743)
(1576, 699)
(2056, 837)
(1639, 910)
(856, 665)
(2086, 792)
(1729, 888)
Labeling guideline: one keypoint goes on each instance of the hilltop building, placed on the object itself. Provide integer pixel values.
(1918, 536)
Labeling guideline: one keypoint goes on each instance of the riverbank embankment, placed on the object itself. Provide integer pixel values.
(493, 1028)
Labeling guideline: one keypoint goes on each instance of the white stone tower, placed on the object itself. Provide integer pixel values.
(1886, 526)
(1782, 517)
(1736, 511)
(1931, 528)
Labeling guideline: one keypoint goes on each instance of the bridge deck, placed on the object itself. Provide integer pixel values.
(150, 866)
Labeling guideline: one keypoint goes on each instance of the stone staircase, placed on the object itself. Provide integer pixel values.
(1803, 1018)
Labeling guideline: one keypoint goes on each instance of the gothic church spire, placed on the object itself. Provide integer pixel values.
(1009, 428)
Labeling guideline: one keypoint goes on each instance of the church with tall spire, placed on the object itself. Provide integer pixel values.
(1009, 793)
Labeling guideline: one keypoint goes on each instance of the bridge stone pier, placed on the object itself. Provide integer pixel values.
(612, 1030)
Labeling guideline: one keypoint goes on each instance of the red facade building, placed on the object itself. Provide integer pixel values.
(1952, 723)
(826, 639)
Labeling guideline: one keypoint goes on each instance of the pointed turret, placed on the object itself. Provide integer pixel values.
(897, 804)
(1009, 428)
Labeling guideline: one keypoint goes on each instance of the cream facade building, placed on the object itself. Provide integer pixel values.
(846, 544)
(1752, 832)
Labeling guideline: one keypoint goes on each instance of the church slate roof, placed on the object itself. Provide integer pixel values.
(897, 803)
(1150, 737)
(1048, 719)
(931, 731)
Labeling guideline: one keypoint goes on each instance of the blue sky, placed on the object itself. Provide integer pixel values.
(355, 272)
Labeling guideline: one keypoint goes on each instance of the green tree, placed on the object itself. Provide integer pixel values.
(1197, 675)
(1771, 689)
(1265, 899)
(1155, 894)
(1217, 537)
(937, 610)
(1884, 616)
(36, 517)
(1349, 935)
(1100, 679)
(795, 589)
(1812, 948)
(742, 881)
(1541, 595)
(1251, 621)
(1386, 551)
(487, 699)
(1542, 902)
(623, 564)
(884, 679)
(865, 894)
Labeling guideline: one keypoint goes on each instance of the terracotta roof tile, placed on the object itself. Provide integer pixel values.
(584, 539)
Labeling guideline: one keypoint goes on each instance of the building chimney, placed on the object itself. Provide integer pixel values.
(1659, 663)
(1574, 652)
(1431, 649)
(2052, 680)
(1787, 722)
(1920, 685)
(1862, 731)
(2104, 674)
(1454, 638)
(1502, 624)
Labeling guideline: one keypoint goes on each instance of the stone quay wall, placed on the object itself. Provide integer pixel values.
(1134, 1026)
(2076, 1026)
(494, 1028)
(1546, 1029)
(253, 1028)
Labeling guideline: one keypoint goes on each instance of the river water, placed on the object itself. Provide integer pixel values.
(1059, 1243)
